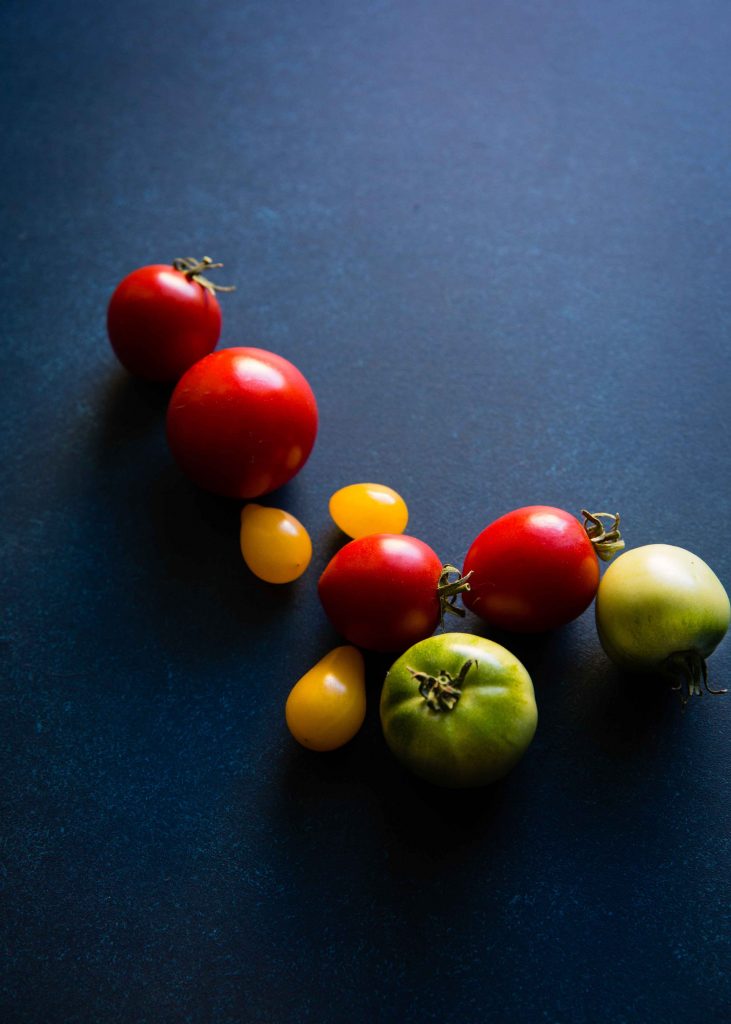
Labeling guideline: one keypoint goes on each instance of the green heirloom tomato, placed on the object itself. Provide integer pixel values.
(660, 608)
(458, 710)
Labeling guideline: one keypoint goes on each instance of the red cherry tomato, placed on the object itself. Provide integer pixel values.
(536, 568)
(242, 422)
(162, 319)
(386, 591)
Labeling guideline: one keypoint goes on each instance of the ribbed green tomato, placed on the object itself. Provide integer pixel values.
(660, 608)
(458, 710)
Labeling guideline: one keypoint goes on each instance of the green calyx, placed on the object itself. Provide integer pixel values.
(607, 541)
(689, 670)
(447, 591)
(442, 691)
(193, 270)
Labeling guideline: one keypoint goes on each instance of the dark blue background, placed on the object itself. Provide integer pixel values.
(495, 237)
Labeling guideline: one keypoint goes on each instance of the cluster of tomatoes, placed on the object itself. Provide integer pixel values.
(457, 709)
(241, 421)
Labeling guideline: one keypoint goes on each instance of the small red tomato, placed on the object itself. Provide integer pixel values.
(242, 422)
(162, 319)
(536, 568)
(385, 591)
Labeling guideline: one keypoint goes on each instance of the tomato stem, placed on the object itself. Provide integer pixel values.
(447, 591)
(692, 671)
(606, 542)
(442, 691)
(193, 270)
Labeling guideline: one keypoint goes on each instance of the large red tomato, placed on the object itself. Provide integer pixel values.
(386, 591)
(535, 568)
(242, 422)
(161, 319)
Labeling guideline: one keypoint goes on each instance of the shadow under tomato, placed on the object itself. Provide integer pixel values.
(333, 541)
(184, 584)
(131, 409)
(624, 713)
(197, 538)
(427, 824)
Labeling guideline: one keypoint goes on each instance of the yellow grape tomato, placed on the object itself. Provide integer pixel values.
(362, 509)
(327, 706)
(276, 546)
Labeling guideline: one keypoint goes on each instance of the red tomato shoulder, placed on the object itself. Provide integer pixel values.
(533, 569)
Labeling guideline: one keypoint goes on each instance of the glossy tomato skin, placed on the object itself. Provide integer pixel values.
(242, 422)
(380, 591)
(360, 509)
(274, 544)
(533, 569)
(326, 708)
(160, 323)
(483, 735)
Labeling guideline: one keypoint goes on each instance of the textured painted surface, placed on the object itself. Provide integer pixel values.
(495, 237)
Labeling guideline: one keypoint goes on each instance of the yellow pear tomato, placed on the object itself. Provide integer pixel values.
(276, 546)
(362, 509)
(327, 706)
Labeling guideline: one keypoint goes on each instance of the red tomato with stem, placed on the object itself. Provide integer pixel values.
(161, 319)
(242, 422)
(385, 591)
(536, 568)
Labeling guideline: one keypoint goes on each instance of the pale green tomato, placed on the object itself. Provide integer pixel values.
(660, 608)
(458, 710)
